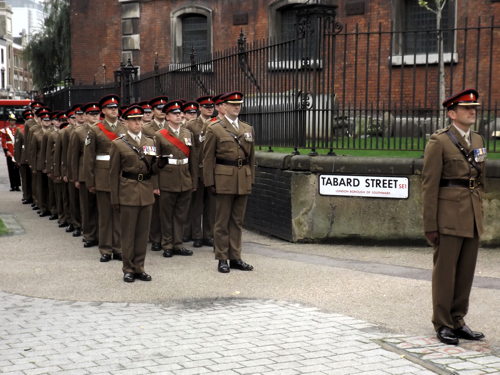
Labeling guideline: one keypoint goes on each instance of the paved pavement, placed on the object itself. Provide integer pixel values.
(318, 309)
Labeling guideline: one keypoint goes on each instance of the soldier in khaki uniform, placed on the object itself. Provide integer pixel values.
(133, 187)
(147, 117)
(157, 123)
(177, 179)
(31, 124)
(229, 168)
(49, 165)
(37, 154)
(75, 121)
(60, 167)
(96, 164)
(20, 157)
(202, 210)
(88, 201)
(452, 187)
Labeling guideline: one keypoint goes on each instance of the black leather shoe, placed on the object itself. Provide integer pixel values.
(143, 276)
(466, 333)
(77, 233)
(223, 267)
(35, 207)
(197, 243)
(240, 265)
(70, 228)
(168, 253)
(208, 242)
(44, 213)
(28, 201)
(446, 336)
(155, 246)
(53, 217)
(62, 225)
(90, 243)
(182, 251)
(117, 257)
(128, 277)
(105, 258)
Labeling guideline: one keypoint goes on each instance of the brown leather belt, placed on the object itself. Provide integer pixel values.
(136, 176)
(235, 163)
(471, 183)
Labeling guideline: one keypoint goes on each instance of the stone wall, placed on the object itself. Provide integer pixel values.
(286, 202)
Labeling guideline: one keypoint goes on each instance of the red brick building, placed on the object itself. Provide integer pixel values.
(163, 32)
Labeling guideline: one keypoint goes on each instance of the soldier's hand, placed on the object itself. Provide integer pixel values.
(156, 191)
(212, 189)
(65, 178)
(432, 238)
(91, 189)
(77, 184)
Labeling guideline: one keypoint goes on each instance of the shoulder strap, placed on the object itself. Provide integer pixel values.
(466, 154)
(176, 142)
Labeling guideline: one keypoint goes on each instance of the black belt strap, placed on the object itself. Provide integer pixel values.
(470, 184)
(234, 163)
(136, 176)
(469, 157)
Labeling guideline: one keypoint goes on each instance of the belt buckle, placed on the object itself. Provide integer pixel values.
(239, 163)
(140, 177)
(472, 183)
(179, 162)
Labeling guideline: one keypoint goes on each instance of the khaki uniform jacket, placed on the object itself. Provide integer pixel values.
(64, 166)
(96, 172)
(19, 153)
(45, 142)
(49, 151)
(177, 178)
(220, 144)
(36, 151)
(31, 155)
(452, 211)
(150, 128)
(126, 191)
(28, 127)
(199, 128)
(75, 151)
(57, 170)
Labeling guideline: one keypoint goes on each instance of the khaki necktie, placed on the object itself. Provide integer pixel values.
(467, 141)
(235, 125)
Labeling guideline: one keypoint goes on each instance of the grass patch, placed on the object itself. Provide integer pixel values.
(3, 228)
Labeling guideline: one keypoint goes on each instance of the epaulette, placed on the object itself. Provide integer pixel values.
(443, 130)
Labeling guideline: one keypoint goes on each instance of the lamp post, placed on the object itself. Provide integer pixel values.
(124, 78)
(68, 82)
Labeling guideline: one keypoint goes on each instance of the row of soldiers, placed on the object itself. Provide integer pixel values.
(161, 170)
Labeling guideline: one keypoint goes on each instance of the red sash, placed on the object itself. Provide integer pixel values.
(176, 142)
(108, 133)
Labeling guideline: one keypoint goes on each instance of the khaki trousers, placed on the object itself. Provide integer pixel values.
(134, 226)
(74, 205)
(174, 209)
(25, 171)
(58, 193)
(66, 206)
(42, 191)
(229, 215)
(155, 228)
(452, 276)
(109, 224)
(51, 196)
(201, 214)
(88, 208)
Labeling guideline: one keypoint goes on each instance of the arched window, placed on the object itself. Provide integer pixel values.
(191, 28)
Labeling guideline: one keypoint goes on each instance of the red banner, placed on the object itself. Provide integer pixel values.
(176, 142)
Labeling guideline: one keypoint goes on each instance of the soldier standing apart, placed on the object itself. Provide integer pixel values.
(229, 168)
(96, 164)
(202, 210)
(132, 191)
(452, 186)
(157, 123)
(177, 179)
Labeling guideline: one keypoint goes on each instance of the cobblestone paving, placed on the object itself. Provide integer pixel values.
(229, 336)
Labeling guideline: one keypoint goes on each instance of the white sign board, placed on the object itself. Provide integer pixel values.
(364, 186)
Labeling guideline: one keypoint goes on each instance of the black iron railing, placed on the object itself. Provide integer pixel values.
(351, 88)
